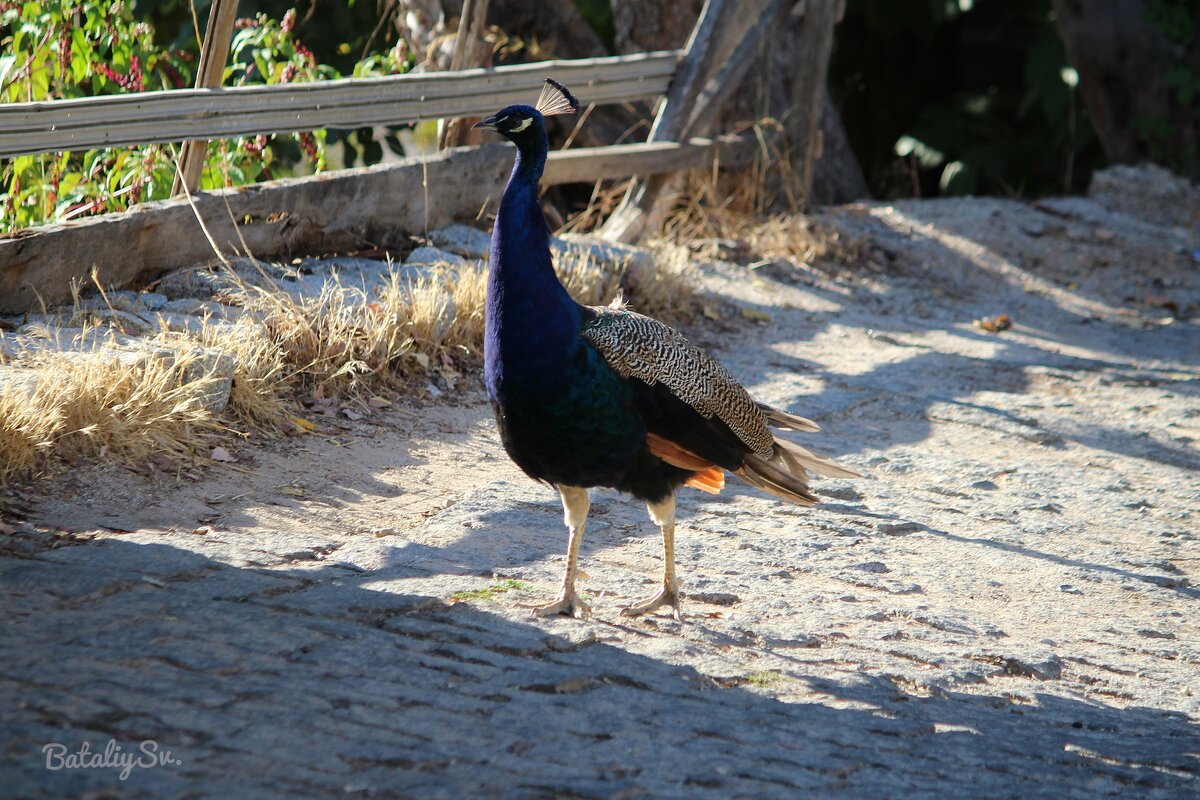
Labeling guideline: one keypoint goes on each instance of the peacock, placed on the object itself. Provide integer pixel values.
(603, 396)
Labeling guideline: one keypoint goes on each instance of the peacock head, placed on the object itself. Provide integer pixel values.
(520, 124)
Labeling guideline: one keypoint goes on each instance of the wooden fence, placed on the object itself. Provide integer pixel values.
(181, 114)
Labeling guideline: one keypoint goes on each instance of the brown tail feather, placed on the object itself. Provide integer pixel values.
(782, 419)
(785, 473)
(777, 477)
(804, 459)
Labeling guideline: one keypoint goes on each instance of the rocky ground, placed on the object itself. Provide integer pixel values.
(1004, 606)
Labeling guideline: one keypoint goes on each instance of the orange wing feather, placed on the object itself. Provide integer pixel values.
(708, 476)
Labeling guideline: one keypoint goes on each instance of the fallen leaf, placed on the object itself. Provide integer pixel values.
(755, 315)
(302, 423)
(379, 402)
(351, 414)
(6, 529)
(221, 454)
(996, 324)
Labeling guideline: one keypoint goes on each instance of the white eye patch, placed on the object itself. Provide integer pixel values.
(522, 125)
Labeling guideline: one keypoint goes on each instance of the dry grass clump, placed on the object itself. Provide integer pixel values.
(347, 338)
(31, 417)
(128, 404)
(261, 378)
(703, 213)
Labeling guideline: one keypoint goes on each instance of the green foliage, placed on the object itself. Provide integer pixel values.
(58, 49)
(989, 106)
(599, 16)
(63, 49)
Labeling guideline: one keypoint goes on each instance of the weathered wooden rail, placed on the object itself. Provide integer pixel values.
(181, 114)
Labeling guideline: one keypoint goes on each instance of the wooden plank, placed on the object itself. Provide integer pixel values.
(339, 211)
(211, 73)
(183, 114)
(590, 164)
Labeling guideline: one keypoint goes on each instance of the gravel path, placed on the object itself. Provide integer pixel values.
(1005, 606)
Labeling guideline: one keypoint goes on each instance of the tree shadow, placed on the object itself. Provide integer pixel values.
(326, 681)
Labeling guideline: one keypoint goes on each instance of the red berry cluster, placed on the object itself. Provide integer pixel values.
(305, 54)
(173, 75)
(134, 81)
(309, 144)
(256, 145)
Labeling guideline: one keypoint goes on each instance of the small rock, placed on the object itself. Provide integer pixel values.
(221, 454)
(609, 254)
(1153, 634)
(432, 255)
(1047, 669)
(715, 598)
(985, 485)
(898, 528)
(1067, 588)
(124, 321)
(463, 240)
(872, 566)
(840, 492)
(183, 305)
(793, 640)
(151, 301)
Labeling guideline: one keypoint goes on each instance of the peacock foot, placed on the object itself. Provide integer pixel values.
(567, 603)
(667, 595)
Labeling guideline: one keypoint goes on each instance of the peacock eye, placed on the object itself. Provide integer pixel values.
(517, 124)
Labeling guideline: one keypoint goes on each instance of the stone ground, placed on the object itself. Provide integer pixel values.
(1004, 606)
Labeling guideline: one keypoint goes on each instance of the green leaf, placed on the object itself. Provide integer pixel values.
(6, 65)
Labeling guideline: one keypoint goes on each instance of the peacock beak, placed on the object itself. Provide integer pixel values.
(488, 124)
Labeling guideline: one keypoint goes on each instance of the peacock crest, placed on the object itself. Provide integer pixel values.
(555, 100)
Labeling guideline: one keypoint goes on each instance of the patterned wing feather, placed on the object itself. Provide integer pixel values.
(641, 347)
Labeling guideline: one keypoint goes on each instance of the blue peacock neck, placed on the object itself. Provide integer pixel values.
(531, 322)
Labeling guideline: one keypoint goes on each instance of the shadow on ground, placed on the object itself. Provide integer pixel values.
(322, 682)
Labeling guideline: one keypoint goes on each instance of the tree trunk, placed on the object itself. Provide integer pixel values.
(1121, 59)
(837, 178)
(787, 82)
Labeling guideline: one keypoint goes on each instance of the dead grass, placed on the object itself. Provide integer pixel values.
(107, 401)
(706, 216)
(149, 396)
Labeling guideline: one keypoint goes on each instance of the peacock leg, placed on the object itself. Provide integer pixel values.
(663, 515)
(575, 510)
